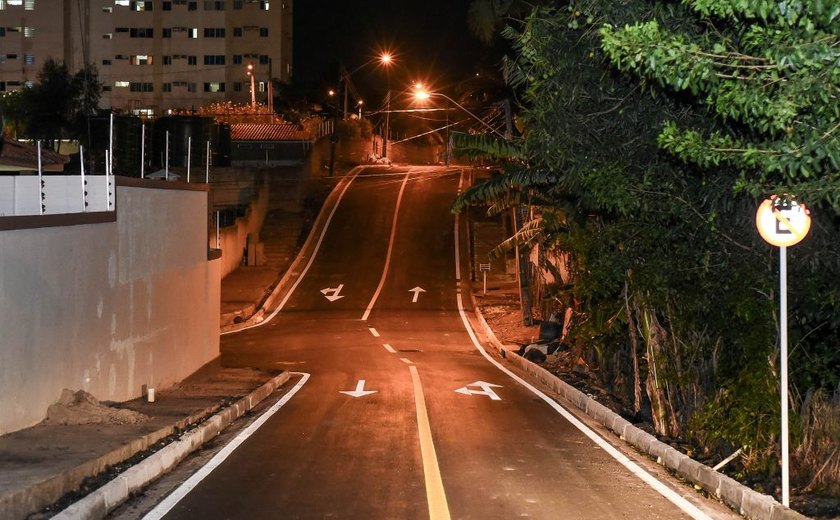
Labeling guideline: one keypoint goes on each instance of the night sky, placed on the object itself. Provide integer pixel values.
(429, 38)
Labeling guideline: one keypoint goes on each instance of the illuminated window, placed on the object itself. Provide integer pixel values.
(214, 87)
(29, 5)
(192, 32)
(141, 59)
(107, 36)
(108, 9)
(16, 2)
(29, 59)
(123, 3)
(3, 4)
(28, 32)
(141, 5)
(264, 5)
(121, 84)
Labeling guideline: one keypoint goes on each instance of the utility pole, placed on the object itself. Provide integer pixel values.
(387, 123)
(270, 90)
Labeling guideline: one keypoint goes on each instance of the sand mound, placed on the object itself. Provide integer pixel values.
(82, 408)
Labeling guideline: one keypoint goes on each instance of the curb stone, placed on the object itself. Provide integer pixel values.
(743, 499)
(99, 503)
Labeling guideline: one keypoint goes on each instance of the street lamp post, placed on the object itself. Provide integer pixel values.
(253, 93)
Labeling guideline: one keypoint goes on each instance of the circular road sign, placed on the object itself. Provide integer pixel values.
(782, 222)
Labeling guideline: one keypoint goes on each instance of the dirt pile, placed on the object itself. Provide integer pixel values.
(82, 408)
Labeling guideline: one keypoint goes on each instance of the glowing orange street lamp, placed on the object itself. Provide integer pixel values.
(253, 93)
(360, 103)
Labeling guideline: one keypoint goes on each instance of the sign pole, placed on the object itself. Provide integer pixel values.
(782, 223)
(783, 332)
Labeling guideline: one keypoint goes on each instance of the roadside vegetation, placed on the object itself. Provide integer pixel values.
(650, 132)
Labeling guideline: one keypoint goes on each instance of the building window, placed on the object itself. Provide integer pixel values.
(264, 5)
(141, 87)
(107, 36)
(264, 32)
(106, 62)
(121, 84)
(192, 6)
(29, 83)
(167, 60)
(2, 31)
(141, 32)
(141, 59)
(237, 32)
(214, 5)
(192, 60)
(28, 32)
(123, 3)
(237, 59)
(106, 88)
(192, 87)
(167, 6)
(121, 29)
(192, 32)
(167, 87)
(214, 87)
(2, 86)
(214, 32)
(264, 59)
(237, 86)
(29, 5)
(237, 4)
(141, 6)
(217, 59)
(29, 59)
(108, 9)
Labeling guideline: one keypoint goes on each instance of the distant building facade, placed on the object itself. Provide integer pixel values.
(152, 55)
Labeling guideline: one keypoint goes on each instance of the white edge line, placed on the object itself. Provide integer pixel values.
(308, 264)
(634, 468)
(176, 496)
(390, 249)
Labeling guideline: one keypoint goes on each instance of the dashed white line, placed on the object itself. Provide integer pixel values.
(374, 332)
(407, 361)
(389, 348)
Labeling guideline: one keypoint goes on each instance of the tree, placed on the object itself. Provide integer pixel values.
(768, 72)
(50, 103)
(673, 291)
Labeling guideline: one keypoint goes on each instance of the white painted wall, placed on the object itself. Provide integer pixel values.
(107, 307)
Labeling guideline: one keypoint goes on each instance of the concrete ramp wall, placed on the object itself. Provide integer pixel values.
(107, 307)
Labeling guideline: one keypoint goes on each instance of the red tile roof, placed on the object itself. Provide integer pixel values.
(24, 156)
(267, 132)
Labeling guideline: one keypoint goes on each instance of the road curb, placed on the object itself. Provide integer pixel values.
(99, 503)
(258, 314)
(741, 498)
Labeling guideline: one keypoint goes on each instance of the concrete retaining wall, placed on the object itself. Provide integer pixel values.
(107, 307)
(234, 239)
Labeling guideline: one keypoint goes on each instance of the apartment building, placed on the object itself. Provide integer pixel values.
(152, 55)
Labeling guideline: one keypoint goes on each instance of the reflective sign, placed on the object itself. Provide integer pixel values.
(782, 222)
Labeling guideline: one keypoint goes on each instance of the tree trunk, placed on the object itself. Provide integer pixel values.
(632, 331)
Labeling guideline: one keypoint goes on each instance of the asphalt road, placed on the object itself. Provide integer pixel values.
(381, 307)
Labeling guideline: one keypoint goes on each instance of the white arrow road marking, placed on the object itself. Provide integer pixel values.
(417, 290)
(486, 389)
(334, 296)
(359, 391)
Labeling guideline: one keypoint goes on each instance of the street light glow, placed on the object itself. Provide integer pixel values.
(386, 58)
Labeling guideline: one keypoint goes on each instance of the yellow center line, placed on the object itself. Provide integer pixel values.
(435, 494)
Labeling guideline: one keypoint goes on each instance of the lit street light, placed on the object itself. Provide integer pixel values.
(421, 94)
(360, 103)
(253, 94)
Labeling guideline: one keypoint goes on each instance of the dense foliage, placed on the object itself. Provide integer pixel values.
(649, 182)
(56, 106)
